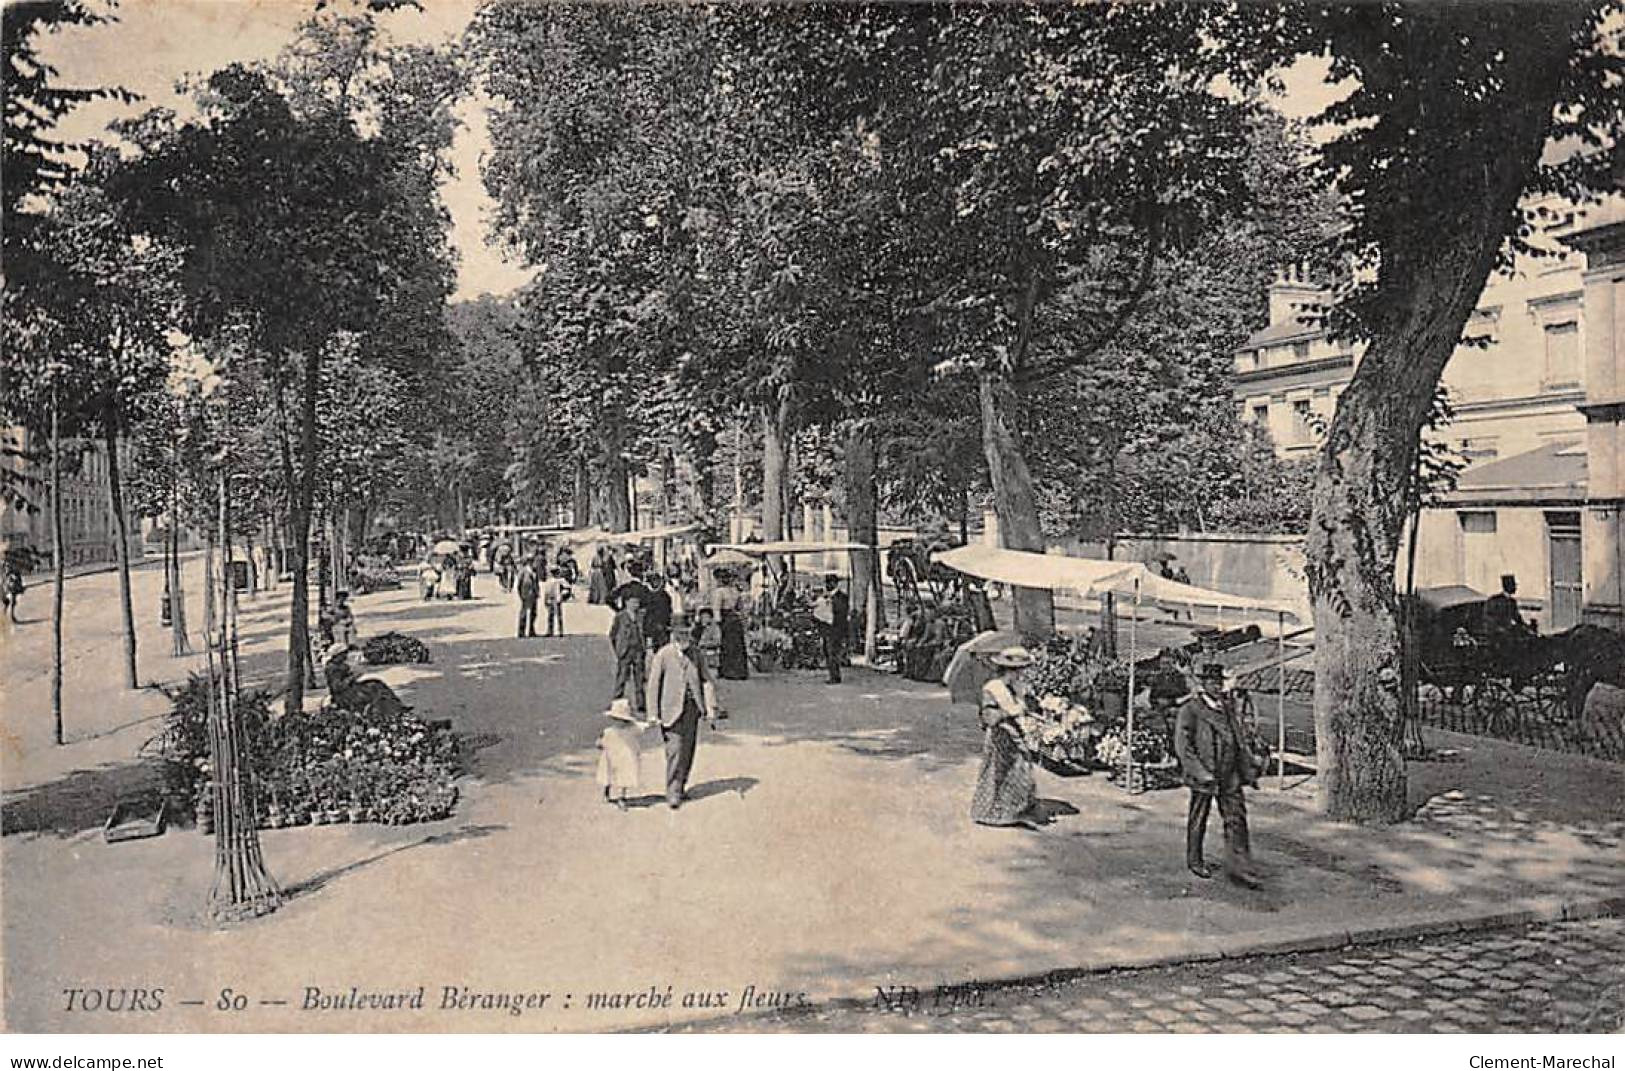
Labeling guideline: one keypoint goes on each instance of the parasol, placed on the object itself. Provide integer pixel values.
(970, 669)
(448, 546)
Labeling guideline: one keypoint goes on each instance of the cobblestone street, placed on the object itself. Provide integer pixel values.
(1567, 978)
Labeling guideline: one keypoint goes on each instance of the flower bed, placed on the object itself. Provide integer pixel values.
(394, 647)
(322, 766)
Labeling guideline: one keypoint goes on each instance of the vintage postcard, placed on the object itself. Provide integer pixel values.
(545, 517)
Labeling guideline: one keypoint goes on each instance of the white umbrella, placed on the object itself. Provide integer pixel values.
(970, 669)
(448, 546)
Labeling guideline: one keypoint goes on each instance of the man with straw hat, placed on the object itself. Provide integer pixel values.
(1216, 761)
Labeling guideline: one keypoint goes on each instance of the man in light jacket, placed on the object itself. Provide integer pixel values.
(679, 690)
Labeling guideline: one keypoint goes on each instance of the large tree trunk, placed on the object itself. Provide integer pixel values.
(59, 566)
(774, 433)
(177, 589)
(862, 506)
(304, 497)
(705, 484)
(1430, 288)
(667, 469)
(581, 493)
(736, 529)
(121, 539)
(617, 501)
(1013, 498)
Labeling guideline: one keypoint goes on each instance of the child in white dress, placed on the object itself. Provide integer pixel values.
(619, 753)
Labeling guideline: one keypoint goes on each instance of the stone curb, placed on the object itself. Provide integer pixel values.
(1305, 938)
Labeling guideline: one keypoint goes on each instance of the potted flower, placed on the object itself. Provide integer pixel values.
(769, 646)
(1059, 734)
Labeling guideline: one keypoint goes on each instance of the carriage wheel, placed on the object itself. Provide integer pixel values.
(1548, 697)
(1495, 704)
(904, 580)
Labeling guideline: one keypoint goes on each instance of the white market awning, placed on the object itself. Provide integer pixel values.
(1091, 578)
(638, 535)
(786, 546)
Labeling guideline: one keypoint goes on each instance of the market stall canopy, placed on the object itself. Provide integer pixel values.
(646, 535)
(524, 529)
(1091, 577)
(640, 535)
(786, 546)
(729, 557)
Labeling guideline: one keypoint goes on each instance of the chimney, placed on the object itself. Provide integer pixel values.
(1291, 295)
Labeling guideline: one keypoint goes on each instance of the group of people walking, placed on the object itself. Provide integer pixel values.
(534, 582)
(447, 576)
(1215, 749)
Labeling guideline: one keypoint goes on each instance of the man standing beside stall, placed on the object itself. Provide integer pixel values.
(1216, 761)
(833, 612)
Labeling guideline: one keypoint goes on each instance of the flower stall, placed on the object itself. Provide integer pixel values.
(787, 612)
(1138, 750)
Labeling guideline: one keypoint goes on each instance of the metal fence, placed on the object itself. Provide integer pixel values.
(1529, 717)
(1523, 722)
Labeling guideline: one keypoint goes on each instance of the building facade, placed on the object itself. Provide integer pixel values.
(1536, 389)
(89, 533)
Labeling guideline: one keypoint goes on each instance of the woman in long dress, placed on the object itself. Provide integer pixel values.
(1005, 791)
(599, 580)
(726, 601)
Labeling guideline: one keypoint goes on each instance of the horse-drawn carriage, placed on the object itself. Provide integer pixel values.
(1507, 674)
(909, 566)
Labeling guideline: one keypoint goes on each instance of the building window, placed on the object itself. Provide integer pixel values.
(1480, 566)
(1261, 415)
(1562, 355)
(1483, 327)
(1300, 351)
(1301, 419)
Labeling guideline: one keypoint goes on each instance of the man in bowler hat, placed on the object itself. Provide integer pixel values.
(680, 690)
(1216, 762)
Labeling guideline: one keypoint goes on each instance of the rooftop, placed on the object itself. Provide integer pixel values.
(1286, 331)
(1554, 472)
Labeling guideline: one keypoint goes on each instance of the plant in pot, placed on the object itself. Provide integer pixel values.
(768, 646)
(355, 809)
(300, 792)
